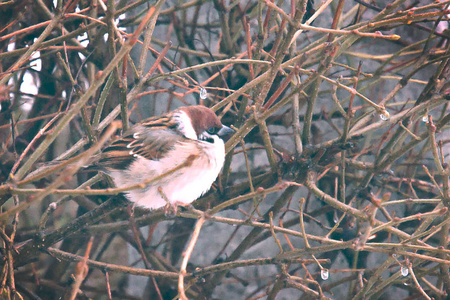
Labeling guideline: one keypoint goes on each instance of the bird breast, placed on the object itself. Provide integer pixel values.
(181, 186)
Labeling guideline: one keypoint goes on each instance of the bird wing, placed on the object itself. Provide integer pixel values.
(150, 139)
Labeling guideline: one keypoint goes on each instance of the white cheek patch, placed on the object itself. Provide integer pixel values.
(185, 125)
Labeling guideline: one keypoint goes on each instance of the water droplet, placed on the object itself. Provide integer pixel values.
(425, 118)
(324, 274)
(385, 115)
(335, 217)
(203, 93)
(405, 271)
(394, 255)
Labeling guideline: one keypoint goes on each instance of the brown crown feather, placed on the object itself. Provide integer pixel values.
(202, 118)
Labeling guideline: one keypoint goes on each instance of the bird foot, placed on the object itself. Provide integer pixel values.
(170, 210)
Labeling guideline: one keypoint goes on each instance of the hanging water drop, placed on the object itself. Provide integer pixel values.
(324, 274)
(385, 115)
(405, 271)
(335, 217)
(203, 93)
(425, 119)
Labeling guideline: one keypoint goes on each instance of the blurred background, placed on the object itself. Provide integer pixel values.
(335, 185)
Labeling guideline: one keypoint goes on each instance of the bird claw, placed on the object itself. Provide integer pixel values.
(170, 210)
(189, 207)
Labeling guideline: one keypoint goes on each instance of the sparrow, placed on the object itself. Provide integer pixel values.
(186, 146)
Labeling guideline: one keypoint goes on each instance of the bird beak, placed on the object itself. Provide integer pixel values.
(225, 132)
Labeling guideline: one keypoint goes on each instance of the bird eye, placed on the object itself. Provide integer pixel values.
(211, 130)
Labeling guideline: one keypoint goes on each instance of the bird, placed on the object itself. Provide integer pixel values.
(177, 155)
